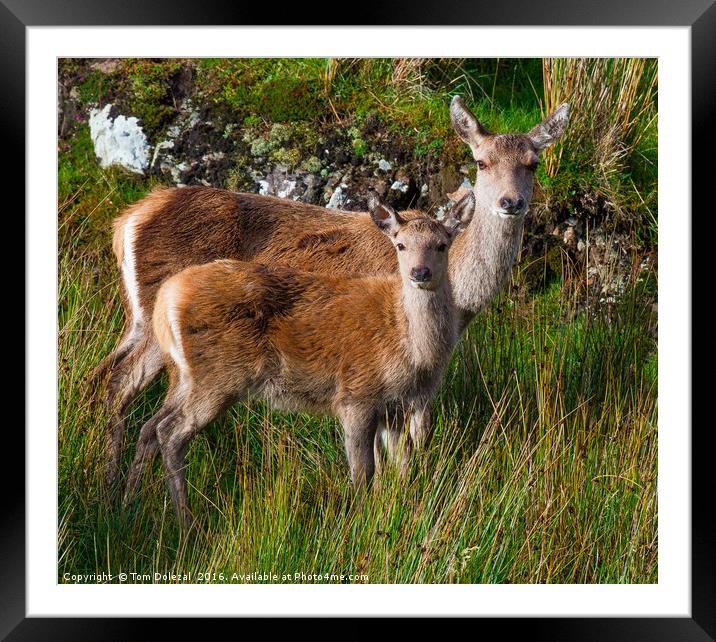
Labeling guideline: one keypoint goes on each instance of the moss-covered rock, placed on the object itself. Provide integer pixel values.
(312, 165)
(290, 156)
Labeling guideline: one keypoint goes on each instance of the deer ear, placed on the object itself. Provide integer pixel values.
(460, 214)
(551, 128)
(468, 128)
(386, 218)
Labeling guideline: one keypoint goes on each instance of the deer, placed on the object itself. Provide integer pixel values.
(173, 228)
(354, 348)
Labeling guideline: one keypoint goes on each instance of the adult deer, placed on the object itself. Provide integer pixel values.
(172, 229)
(354, 348)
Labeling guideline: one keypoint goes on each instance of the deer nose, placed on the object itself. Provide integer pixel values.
(512, 206)
(420, 274)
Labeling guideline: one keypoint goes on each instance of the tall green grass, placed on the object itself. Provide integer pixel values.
(543, 466)
(612, 131)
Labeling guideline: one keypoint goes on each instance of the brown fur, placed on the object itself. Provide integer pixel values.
(149, 207)
(330, 330)
(195, 225)
(177, 228)
(354, 348)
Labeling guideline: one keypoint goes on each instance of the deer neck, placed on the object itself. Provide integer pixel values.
(481, 259)
(430, 324)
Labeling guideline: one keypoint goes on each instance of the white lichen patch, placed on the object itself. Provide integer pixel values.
(118, 141)
(338, 198)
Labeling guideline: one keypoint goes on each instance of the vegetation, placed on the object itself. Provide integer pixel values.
(544, 463)
(608, 157)
(616, 137)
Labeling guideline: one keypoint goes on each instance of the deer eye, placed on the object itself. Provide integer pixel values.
(441, 247)
(400, 246)
(481, 164)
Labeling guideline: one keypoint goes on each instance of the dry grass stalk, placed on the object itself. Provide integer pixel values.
(332, 65)
(613, 101)
(409, 74)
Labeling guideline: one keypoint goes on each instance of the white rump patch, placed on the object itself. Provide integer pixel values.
(176, 350)
(129, 274)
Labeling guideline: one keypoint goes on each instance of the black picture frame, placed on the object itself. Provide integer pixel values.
(700, 15)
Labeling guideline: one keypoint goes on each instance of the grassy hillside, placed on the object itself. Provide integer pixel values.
(544, 463)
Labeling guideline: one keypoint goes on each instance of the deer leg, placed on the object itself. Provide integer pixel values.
(380, 445)
(147, 448)
(392, 442)
(118, 362)
(174, 434)
(421, 426)
(359, 426)
(137, 371)
(399, 444)
(114, 359)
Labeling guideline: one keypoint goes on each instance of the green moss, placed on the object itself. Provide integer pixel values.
(261, 147)
(554, 261)
(312, 165)
(287, 156)
(284, 144)
(276, 90)
(238, 179)
(360, 147)
(228, 130)
(286, 99)
(435, 146)
(280, 133)
(140, 87)
(96, 87)
(150, 92)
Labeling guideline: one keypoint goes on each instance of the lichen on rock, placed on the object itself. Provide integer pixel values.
(118, 141)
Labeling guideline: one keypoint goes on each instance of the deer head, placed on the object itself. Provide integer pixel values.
(422, 243)
(506, 163)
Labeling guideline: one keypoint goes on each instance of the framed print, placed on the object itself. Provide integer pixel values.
(335, 438)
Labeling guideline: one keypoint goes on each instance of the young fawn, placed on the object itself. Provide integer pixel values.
(353, 348)
(172, 229)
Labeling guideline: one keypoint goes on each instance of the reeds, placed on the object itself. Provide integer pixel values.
(543, 468)
(613, 103)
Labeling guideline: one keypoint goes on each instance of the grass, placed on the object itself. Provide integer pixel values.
(616, 136)
(544, 463)
(543, 467)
